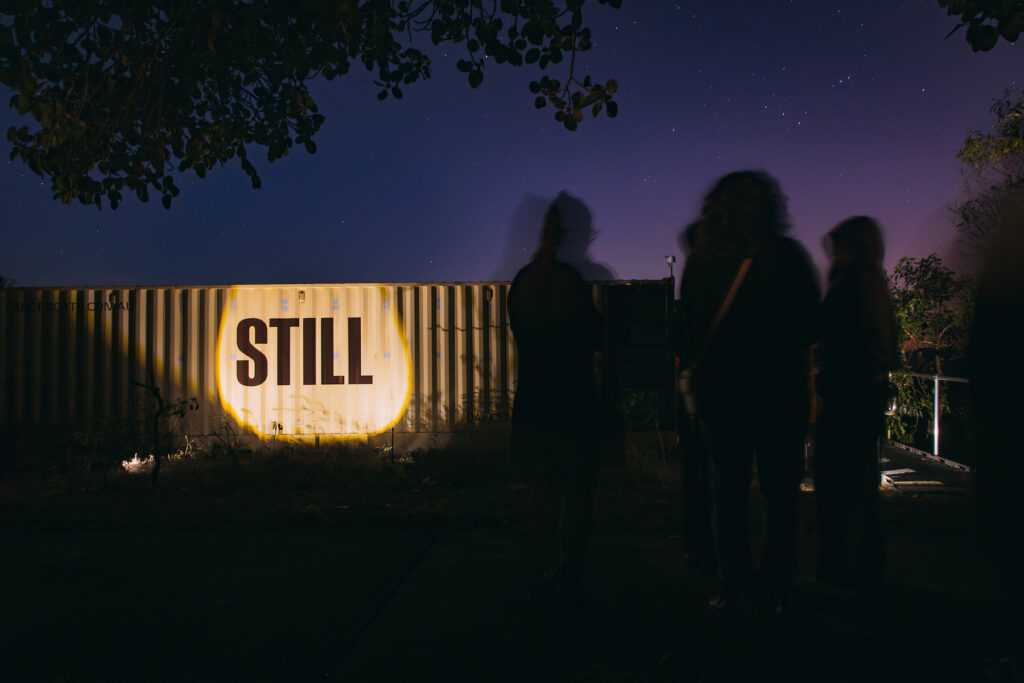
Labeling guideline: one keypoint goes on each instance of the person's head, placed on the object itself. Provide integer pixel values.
(568, 224)
(742, 211)
(856, 242)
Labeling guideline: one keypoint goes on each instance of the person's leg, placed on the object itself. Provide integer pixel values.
(544, 522)
(730, 459)
(830, 492)
(780, 469)
(870, 537)
(698, 536)
(781, 429)
(577, 522)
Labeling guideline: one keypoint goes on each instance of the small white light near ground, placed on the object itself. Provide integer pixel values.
(137, 465)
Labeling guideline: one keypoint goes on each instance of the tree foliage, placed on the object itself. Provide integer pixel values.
(987, 21)
(994, 177)
(126, 93)
(1003, 147)
(932, 307)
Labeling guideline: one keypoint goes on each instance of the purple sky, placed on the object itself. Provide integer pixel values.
(857, 107)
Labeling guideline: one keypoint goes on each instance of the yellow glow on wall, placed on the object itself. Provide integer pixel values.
(313, 360)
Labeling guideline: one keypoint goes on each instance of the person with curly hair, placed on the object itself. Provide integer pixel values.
(748, 300)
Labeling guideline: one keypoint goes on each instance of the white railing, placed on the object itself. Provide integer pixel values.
(936, 403)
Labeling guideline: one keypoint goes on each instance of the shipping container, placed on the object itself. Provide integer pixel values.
(278, 362)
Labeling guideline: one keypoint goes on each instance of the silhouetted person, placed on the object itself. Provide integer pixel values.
(556, 420)
(750, 372)
(698, 536)
(857, 350)
(997, 403)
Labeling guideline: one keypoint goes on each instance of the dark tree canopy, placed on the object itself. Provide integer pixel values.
(987, 20)
(994, 178)
(126, 93)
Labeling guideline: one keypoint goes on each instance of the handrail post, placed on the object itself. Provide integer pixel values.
(935, 448)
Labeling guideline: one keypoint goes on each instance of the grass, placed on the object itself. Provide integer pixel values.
(360, 485)
(325, 484)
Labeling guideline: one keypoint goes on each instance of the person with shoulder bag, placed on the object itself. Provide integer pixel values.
(748, 301)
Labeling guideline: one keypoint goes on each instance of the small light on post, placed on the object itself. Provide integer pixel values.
(671, 271)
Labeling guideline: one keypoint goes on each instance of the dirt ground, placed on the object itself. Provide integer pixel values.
(406, 573)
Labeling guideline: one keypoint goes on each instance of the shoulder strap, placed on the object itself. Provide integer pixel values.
(726, 304)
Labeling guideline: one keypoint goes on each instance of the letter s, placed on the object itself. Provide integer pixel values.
(259, 361)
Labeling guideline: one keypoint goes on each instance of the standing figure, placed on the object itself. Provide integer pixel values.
(555, 419)
(857, 350)
(748, 300)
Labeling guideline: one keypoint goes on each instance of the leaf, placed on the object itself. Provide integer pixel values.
(613, 109)
(982, 38)
(476, 77)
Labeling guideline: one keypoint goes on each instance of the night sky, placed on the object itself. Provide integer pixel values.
(856, 107)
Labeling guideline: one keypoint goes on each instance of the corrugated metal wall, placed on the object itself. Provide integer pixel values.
(75, 356)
